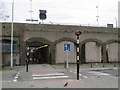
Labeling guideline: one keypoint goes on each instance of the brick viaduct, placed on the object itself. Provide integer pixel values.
(56, 36)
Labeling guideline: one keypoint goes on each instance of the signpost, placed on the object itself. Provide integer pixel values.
(66, 48)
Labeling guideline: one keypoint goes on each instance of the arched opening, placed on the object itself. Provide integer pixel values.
(91, 51)
(61, 52)
(39, 50)
(112, 50)
(65, 52)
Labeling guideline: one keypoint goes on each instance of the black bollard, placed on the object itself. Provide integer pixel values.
(26, 65)
(65, 64)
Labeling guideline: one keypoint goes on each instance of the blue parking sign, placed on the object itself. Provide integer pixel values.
(66, 47)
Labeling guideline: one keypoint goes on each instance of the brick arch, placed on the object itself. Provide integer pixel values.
(58, 41)
(82, 46)
(107, 49)
(91, 40)
(39, 39)
(43, 41)
(112, 41)
(65, 39)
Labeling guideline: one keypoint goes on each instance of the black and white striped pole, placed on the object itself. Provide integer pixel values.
(27, 58)
(78, 33)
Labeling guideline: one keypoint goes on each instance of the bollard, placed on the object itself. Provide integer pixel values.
(91, 65)
(26, 65)
(65, 64)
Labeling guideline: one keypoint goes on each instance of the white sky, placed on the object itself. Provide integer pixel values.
(79, 12)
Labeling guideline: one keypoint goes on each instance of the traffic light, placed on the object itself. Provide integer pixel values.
(27, 58)
(42, 14)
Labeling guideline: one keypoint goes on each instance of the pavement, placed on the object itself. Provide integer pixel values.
(56, 76)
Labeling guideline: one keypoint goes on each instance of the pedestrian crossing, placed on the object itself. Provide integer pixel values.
(39, 76)
(90, 74)
(99, 73)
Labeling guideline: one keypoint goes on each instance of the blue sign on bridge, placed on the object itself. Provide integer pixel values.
(66, 47)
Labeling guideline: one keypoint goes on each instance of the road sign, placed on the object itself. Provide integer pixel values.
(42, 14)
(31, 20)
(66, 47)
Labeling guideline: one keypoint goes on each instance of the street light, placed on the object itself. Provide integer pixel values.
(11, 64)
(78, 33)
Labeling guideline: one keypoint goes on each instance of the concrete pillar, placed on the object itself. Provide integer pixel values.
(104, 58)
(22, 53)
(53, 57)
(22, 47)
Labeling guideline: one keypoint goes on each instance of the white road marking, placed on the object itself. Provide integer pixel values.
(85, 76)
(75, 72)
(6, 81)
(102, 74)
(116, 77)
(53, 77)
(80, 74)
(52, 74)
(49, 76)
(15, 80)
(16, 77)
(71, 71)
(99, 73)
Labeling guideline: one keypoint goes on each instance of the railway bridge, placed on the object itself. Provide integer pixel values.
(47, 43)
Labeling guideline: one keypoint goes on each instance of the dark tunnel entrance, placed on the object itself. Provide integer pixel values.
(39, 52)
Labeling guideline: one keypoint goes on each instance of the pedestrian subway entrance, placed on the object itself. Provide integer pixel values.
(38, 52)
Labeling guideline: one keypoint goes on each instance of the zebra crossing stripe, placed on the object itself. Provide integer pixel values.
(53, 77)
(85, 76)
(49, 76)
(99, 73)
(52, 74)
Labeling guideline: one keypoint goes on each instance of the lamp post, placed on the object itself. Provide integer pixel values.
(78, 33)
(11, 64)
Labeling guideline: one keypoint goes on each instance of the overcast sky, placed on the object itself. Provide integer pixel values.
(77, 12)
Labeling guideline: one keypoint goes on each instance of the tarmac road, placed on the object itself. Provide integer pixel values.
(47, 76)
